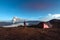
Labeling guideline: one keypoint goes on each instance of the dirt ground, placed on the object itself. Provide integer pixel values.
(19, 33)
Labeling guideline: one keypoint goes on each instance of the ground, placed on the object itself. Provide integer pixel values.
(19, 33)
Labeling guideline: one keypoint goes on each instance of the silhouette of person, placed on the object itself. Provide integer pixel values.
(24, 24)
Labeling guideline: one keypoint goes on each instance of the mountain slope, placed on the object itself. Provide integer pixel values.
(55, 23)
(20, 33)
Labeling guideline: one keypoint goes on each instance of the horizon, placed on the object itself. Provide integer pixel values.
(43, 10)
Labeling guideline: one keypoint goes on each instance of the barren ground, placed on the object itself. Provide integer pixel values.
(19, 33)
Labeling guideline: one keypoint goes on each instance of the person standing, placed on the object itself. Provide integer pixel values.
(24, 23)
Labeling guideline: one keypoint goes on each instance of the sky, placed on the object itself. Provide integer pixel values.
(30, 9)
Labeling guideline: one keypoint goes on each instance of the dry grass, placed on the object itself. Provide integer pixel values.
(20, 33)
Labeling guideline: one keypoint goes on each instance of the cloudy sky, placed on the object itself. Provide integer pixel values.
(30, 9)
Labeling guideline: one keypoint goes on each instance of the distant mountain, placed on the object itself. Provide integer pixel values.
(5, 23)
(20, 22)
(33, 22)
(55, 20)
(29, 22)
(55, 23)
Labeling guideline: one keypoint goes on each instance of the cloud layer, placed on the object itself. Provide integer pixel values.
(51, 16)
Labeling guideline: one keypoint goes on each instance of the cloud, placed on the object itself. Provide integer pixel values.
(51, 16)
(56, 16)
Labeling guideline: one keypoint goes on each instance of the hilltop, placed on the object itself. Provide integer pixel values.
(20, 33)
